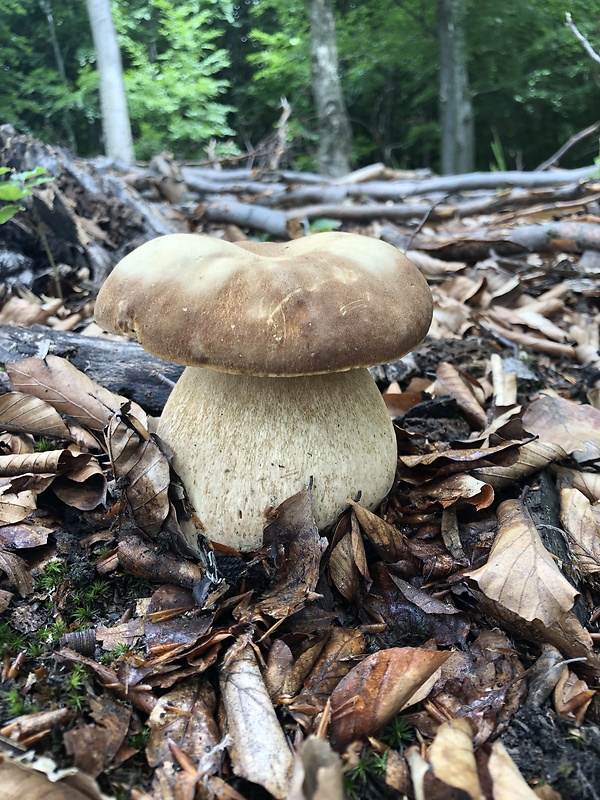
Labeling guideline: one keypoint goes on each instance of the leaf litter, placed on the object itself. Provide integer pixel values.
(398, 652)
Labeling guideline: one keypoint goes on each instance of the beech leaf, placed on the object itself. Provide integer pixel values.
(376, 689)
(520, 573)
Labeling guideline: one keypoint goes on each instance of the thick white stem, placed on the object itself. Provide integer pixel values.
(244, 444)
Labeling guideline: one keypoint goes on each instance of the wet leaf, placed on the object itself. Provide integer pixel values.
(520, 573)
(259, 751)
(376, 689)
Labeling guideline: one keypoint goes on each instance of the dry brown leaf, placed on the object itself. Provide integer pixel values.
(259, 751)
(93, 746)
(83, 487)
(507, 781)
(456, 490)
(449, 380)
(343, 648)
(17, 573)
(376, 689)
(587, 482)
(389, 543)
(47, 462)
(15, 506)
(23, 413)
(572, 697)
(41, 781)
(520, 573)
(185, 715)
(581, 521)
(572, 426)
(68, 390)
(452, 757)
(450, 461)
(317, 772)
(533, 457)
(294, 531)
(342, 568)
(140, 466)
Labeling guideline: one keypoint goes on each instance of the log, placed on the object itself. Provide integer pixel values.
(119, 365)
(246, 215)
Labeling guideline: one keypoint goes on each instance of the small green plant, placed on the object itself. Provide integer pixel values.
(371, 765)
(18, 186)
(115, 654)
(499, 164)
(54, 572)
(75, 686)
(139, 740)
(10, 641)
(397, 733)
(15, 704)
(43, 445)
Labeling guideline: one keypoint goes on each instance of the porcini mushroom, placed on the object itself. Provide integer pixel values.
(277, 339)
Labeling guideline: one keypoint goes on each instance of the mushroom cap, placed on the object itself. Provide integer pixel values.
(326, 302)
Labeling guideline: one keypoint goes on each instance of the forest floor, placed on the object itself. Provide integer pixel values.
(444, 647)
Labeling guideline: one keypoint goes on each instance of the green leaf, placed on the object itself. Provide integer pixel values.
(8, 212)
(11, 191)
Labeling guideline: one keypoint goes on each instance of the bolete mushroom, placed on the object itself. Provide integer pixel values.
(277, 339)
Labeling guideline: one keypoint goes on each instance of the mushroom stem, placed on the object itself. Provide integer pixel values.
(243, 444)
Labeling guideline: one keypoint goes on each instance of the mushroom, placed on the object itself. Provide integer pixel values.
(277, 339)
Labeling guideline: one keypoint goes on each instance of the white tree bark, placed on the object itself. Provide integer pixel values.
(456, 111)
(335, 135)
(118, 141)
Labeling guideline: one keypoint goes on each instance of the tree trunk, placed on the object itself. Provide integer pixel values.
(118, 141)
(456, 111)
(335, 135)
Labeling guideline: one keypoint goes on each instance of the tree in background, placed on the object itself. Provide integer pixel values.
(456, 110)
(335, 134)
(118, 141)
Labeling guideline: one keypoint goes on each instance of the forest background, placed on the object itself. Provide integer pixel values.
(206, 77)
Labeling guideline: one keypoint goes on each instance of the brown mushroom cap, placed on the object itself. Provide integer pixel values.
(326, 302)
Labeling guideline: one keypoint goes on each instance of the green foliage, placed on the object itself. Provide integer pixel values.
(74, 686)
(17, 186)
(370, 765)
(172, 74)
(397, 733)
(54, 572)
(11, 642)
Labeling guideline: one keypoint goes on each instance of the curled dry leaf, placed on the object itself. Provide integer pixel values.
(452, 757)
(533, 456)
(520, 573)
(390, 543)
(457, 489)
(376, 689)
(23, 413)
(450, 381)
(572, 697)
(15, 505)
(572, 426)
(588, 483)
(259, 751)
(17, 573)
(48, 462)
(140, 466)
(83, 487)
(68, 390)
(293, 527)
(581, 521)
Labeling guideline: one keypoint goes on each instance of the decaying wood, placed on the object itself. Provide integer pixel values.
(121, 366)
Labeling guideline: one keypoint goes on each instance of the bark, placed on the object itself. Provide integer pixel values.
(335, 136)
(118, 141)
(456, 112)
(123, 367)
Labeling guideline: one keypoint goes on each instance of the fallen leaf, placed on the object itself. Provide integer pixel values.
(507, 781)
(533, 457)
(93, 746)
(520, 573)
(572, 426)
(450, 381)
(452, 757)
(32, 778)
(17, 573)
(68, 390)
(376, 689)
(572, 697)
(23, 413)
(317, 772)
(259, 751)
(581, 521)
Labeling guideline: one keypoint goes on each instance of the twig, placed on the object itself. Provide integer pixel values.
(577, 137)
(587, 46)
